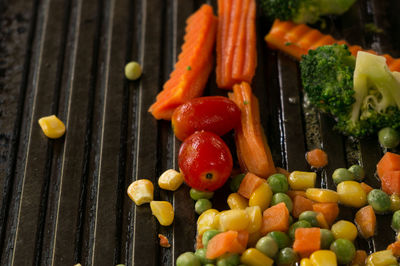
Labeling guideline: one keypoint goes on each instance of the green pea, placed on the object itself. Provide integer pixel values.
(268, 246)
(311, 217)
(229, 260)
(287, 256)
(133, 70)
(280, 238)
(197, 194)
(201, 255)
(278, 183)
(207, 235)
(327, 238)
(396, 221)
(298, 224)
(342, 174)
(282, 197)
(388, 137)
(209, 264)
(358, 172)
(202, 205)
(379, 200)
(235, 182)
(344, 250)
(187, 259)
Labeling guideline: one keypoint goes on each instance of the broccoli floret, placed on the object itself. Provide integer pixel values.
(304, 11)
(363, 98)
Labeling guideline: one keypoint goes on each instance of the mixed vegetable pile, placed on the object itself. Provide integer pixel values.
(275, 216)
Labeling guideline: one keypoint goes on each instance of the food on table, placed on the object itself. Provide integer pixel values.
(389, 137)
(164, 241)
(141, 191)
(163, 211)
(133, 70)
(170, 180)
(317, 158)
(52, 126)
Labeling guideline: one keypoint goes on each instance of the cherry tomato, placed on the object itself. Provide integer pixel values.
(215, 114)
(205, 161)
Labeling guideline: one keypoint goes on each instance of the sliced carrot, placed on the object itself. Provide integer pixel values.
(301, 204)
(193, 67)
(275, 218)
(365, 220)
(359, 258)
(317, 158)
(293, 193)
(297, 39)
(236, 42)
(389, 162)
(330, 210)
(252, 148)
(240, 243)
(395, 248)
(307, 240)
(220, 244)
(367, 188)
(391, 182)
(249, 183)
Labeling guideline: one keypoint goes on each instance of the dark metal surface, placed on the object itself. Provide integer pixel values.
(64, 201)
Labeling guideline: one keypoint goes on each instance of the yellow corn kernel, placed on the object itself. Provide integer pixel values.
(254, 257)
(236, 201)
(323, 258)
(394, 202)
(322, 195)
(261, 196)
(306, 262)
(255, 219)
(344, 229)
(381, 258)
(351, 194)
(170, 180)
(207, 220)
(299, 180)
(141, 191)
(233, 220)
(52, 127)
(163, 211)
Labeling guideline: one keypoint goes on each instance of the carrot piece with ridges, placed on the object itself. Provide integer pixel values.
(251, 51)
(391, 182)
(330, 210)
(249, 183)
(241, 42)
(307, 240)
(389, 162)
(275, 218)
(365, 220)
(301, 204)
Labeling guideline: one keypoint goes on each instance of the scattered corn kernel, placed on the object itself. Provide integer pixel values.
(254, 257)
(133, 70)
(351, 194)
(163, 211)
(141, 191)
(255, 218)
(233, 220)
(322, 195)
(236, 201)
(170, 180)
(323, 258)
(261, 196)
(381, 258)
(299, 180)
(52, 127)
(208, 220)
(344, 229)
(306, 262)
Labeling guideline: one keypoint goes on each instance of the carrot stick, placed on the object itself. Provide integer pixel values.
(252, 148)
(193, 66)
(297, 39)
(251, 51)
(365, 220)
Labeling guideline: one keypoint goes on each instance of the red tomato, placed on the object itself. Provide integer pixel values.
(205, 161)
(215, 114)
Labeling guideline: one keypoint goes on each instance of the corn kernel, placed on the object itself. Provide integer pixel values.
(306, 262)
(254, 257)
(141, 191)
(255, 217)
(344, 229)
(208, 220)
(163, 211)
(323, 258)
(236, 201)
(233, 220)
(381, 258)
(322, 195)
(351, 194)
(170, 180)
(302, 180)
(52, 127)
(261, 196)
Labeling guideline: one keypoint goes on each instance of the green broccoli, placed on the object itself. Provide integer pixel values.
(304, 11)
(363, 95)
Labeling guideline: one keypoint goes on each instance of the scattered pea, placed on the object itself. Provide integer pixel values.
(278, 183)
(187, 259)
(197, 194)
(235, 182)
(358, 172)
(280, 238)
(133, 70)
(388, 137)
(268, 246)
(202, 205)
(342, 174)
(282, 197)
(344, 250)
(379, 200)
